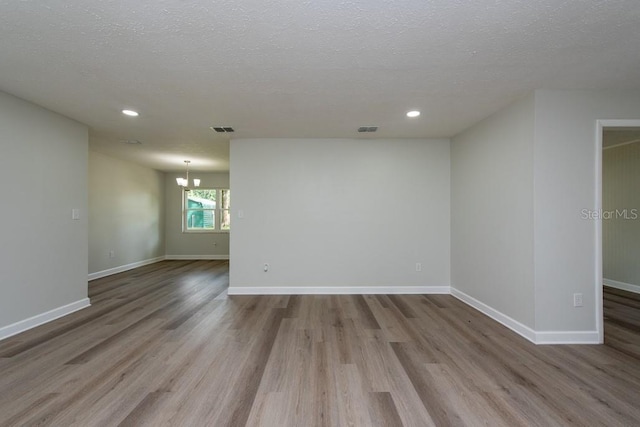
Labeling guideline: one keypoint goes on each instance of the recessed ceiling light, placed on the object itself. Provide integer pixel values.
(414, 113)
(130, 113)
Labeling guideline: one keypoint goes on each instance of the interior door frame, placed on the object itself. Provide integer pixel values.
(600, 126)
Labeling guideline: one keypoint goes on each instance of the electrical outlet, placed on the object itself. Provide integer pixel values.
(577, 300)
(266, 267)
(112, 254)
(418, 266)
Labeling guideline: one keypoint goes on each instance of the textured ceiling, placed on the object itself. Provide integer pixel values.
(301, 68)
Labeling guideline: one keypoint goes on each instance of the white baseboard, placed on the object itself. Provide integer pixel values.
(568, 337)
(514, 325)
(621, 285)
(336, 290)
(542, 337)
(121, 268)
(37, 320)
(536, 337)
(195, 257)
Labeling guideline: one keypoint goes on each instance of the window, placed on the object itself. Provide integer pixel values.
(206, 210)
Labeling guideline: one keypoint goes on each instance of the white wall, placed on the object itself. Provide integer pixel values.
(181, 245)
(492, 212)
(126, 214)
(340, 213)
(621, 230)
(565, 184)
(43, 170)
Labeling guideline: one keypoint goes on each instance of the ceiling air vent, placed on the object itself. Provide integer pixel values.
(367, 128)
(222, 129)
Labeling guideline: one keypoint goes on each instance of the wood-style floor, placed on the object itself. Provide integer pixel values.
(163, 345)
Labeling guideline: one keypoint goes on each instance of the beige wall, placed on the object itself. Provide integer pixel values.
(621, 205)
(126, 213)
(43, 170)
(193, 245)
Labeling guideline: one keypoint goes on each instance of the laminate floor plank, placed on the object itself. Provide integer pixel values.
(391, 321)
(164, 345)
(383, 410)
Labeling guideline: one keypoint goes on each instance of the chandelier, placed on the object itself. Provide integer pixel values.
(184, 182)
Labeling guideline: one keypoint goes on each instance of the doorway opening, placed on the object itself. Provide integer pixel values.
(618, 219)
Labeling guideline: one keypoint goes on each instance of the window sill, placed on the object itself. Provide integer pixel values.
(205, 231)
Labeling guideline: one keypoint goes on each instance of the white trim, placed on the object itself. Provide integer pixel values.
(336, 290)
(622, 123)
(514, 325)
(195, 257)
(126, 267)
(598, 264)
(205, 231)
(621, 285)
(568, 337)
(536, 337)
(39, 319)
